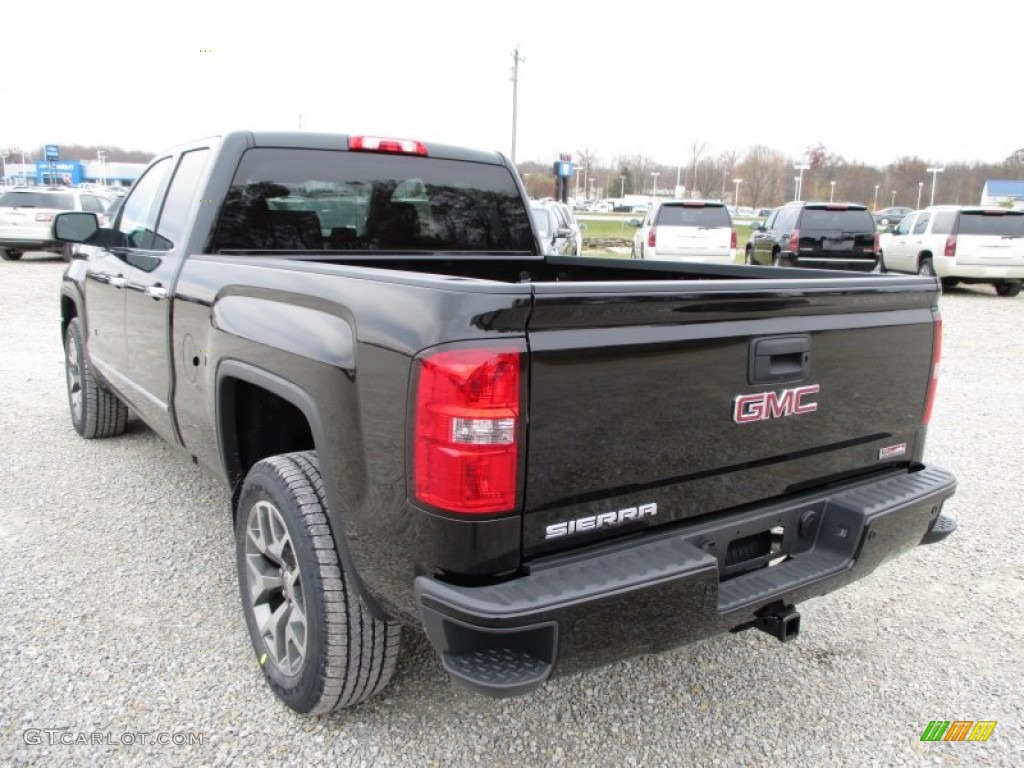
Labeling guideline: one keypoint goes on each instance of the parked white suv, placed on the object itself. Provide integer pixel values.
(26, 217)
(686, 230)
(960, 244)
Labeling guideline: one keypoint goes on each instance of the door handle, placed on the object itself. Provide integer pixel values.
(157, 291)
(118, 282)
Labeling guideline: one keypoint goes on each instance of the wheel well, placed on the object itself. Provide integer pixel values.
(924, 255)
(68, 311)
(257, 423)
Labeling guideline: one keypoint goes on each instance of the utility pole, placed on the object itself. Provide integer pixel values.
(934, 172)
(516, 58)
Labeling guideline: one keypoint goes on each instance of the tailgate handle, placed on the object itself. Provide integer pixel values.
(779, 359)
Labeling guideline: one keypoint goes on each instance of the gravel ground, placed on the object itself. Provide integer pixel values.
(122, 617)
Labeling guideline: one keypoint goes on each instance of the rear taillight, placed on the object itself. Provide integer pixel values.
(950, 249)
(44, 217)
(794, 240)
(933, 383)
(467, 429)
(732, 239)
(652, 237)
(382, 144)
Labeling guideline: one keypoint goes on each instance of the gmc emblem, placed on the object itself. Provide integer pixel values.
(769, 405)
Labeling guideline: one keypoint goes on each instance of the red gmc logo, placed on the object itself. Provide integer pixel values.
(769, 405)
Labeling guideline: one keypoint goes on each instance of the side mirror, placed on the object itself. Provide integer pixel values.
(582, 226)
(634, 223)
(75, 227)
(756, 226)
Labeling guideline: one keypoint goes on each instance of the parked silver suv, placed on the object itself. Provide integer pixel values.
(960, 244)
(26, 217)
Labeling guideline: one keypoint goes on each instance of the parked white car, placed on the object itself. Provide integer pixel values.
(960, 244)
(26, 217)
(686, 230)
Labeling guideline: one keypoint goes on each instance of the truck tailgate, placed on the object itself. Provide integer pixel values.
(651, 403)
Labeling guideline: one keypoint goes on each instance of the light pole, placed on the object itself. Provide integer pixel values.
(832, 192)
(655, 174)
(101, 156)
(516, 60)
(800, 179)
(875, 206)
(736, 194)
(3, 160)
(577, 195)
(622, 186)
(920, 186)
(893, 199)
(935, 175)
(796, 187)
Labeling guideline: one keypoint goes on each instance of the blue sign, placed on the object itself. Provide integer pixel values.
(52, 152)
(564, 168)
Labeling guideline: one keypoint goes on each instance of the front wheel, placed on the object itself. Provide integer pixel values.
(95, 410)
(10, 254)
(1009, 290)
(317, 646)
(750, 256)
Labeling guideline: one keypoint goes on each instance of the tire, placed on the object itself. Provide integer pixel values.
(95, 410)
(632, 251)
(778, 260)
(318, 647)
(1009, 290)
(925, 268)
(10, 254)
(880, 266)
(750, 256)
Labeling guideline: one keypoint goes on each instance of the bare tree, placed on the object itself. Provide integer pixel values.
(697, 149)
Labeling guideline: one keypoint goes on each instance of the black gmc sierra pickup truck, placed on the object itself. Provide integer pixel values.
(544, 463)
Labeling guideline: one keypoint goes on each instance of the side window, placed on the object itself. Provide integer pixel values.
(141, 208)
(182, 195)
(922, 223)
(943, 224)
(906, 224)
(787, 217)
(770, 224)
(92, 204)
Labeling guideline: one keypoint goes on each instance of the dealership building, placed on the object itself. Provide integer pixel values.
(72, 173)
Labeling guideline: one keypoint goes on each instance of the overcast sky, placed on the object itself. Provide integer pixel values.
(872, 81)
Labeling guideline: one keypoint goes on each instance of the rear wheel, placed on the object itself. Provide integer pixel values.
(317, 646)
(10, 254)
(1009, 290)
(925, 268)
(880, 265)
(95, 410)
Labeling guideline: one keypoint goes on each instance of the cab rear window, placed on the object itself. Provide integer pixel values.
(306, 199)
(693, 216)
(1009, 224)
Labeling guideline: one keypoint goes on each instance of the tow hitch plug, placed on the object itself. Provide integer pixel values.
(780, 621)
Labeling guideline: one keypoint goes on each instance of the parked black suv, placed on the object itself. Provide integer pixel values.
(823, 235)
